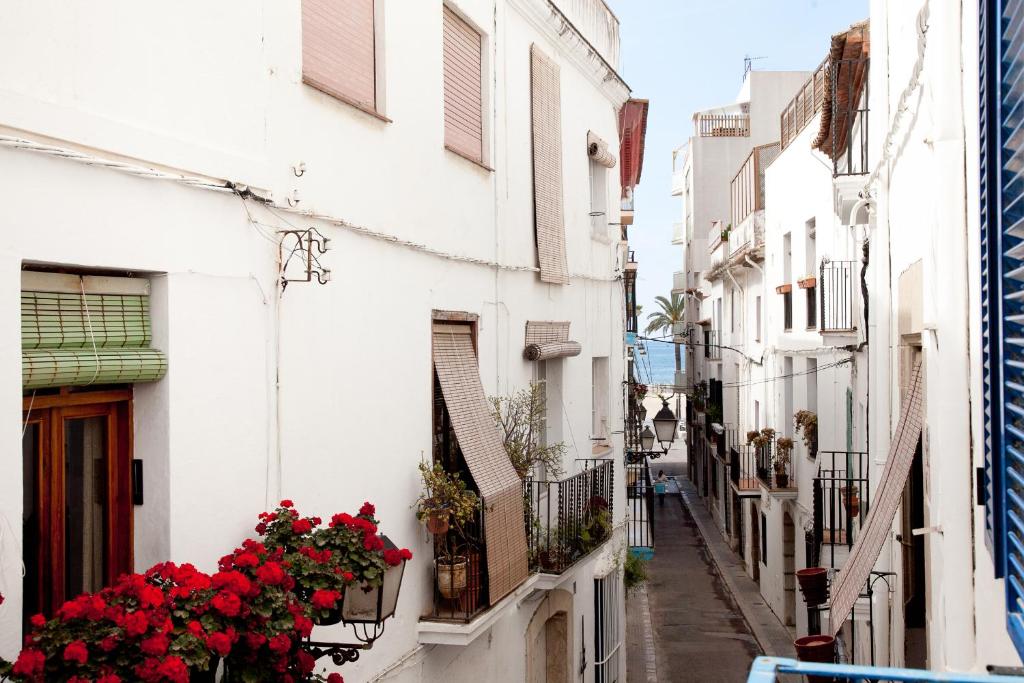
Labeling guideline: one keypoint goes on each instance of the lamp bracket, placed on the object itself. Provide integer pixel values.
(302, 248)
(340, 653)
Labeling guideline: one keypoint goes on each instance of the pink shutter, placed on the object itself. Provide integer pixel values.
(338, 49)
(463, 101)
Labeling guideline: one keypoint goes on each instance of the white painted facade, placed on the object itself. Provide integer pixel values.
(318, 393)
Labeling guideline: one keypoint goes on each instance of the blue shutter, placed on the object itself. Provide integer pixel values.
(990, 308)
(1006, 290)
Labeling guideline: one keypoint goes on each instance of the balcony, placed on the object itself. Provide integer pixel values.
(743, 470)
(721, 125)
(679, 282)
(679, 233)
(849, 143)
(629, 285)
(773, 472)
(838, 298)
(568, 519)
(802, 108)
(746, 191)
(713, 344)
(678, 182)
(455, 604)
(842, 491)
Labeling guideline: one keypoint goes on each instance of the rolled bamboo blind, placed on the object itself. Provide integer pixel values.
(597, 149)
(463, 97)
(95, 336)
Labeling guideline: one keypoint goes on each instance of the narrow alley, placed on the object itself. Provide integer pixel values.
(684, 616)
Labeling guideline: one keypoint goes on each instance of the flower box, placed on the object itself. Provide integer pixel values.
(809, 282)
(784, 289)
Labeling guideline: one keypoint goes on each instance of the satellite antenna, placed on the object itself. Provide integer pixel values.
(748, 64)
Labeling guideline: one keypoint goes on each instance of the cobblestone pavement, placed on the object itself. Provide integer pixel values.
(685, 626)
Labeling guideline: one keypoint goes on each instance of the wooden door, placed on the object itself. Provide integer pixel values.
(77, 517)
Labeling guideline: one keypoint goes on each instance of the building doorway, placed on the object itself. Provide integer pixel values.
(77, 512)
(755, 543)
(548, 639)
(789, 568)
(915, 602)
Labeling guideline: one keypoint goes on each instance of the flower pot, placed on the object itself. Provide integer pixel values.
(814, 585)
(784, 289)
(451, 577)
(851, 501)
(438, 522)
(781, 480)
(808, 283)
(820, 649)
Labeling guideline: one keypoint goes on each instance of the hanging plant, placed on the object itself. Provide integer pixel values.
(751, 436)
(807, 426)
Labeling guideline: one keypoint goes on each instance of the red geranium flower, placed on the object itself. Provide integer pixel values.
(174, 669)
(287, 503)
(219, 643)
(227, 603)
(325, 599)
(30, 663)
(76, 652)
(135, 624)
(280, 644)
(302, 526)
(270, 573)
(155, 645)
(37, 621)
(367, 510)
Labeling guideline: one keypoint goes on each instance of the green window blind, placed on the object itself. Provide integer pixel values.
(91, 336)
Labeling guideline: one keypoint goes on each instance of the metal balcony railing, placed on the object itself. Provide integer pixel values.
(772, 669)
(640, 500)
(569, 518)
(842, 493)
(462, 594)
(743, 468)
(836, 285)
(721, 125)
(849, 127)
(629, 284)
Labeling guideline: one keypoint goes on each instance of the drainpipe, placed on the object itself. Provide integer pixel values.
(746, 258)
(743, 308)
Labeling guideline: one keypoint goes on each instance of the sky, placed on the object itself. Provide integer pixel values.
(687, 55)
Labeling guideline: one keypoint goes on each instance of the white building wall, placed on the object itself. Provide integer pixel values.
(221, 96)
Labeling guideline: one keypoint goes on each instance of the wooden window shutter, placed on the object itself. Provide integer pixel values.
(463, 99)
(338, 49)
(546, 109)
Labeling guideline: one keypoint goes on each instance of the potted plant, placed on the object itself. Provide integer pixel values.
(807, 282)
(814, 585)
(725, 232)
(784, 289)
(751, 435)
(851, 499)
(807, 426)
(783, 451)
(446, 498)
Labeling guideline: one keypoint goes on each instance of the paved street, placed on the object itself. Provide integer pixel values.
(697, 630)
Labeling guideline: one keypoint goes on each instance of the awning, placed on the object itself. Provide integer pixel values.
(80, 330)
(846, 73)
(500, 488)
(877, 526)
(548, 339)
(632, 139)
(597, 149)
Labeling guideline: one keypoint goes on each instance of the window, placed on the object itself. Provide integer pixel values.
(757, 328)
(598, 200)
(787, 417)
(339, 50)
(787, 311)
(463, 88)
(599, 398)
(812, 308)
(78, 506)
(607, 631)
(787, 258)
(757, 415)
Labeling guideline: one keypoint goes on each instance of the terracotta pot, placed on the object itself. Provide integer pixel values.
(437, 523)
(784, 289)
(451, 577)
(820, 649)
(814, 585)
(808, 282)
(851, 502)
(782, 480)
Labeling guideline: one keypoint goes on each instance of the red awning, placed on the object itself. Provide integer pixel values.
(632, 133)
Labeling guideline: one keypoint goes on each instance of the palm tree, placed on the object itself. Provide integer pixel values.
(665, 319)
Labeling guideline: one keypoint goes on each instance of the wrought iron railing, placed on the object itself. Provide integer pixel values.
(841, 496)
(838, 295)
(569, 518)
(640, 500)
(722, 125)
(460, 572)
(849, 127)
(772, 669)
(743, 467)
(629, 284)
(773, 470)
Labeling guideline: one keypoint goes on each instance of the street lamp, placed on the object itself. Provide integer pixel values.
(665, 424)
(365, 608)
(647, 438)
